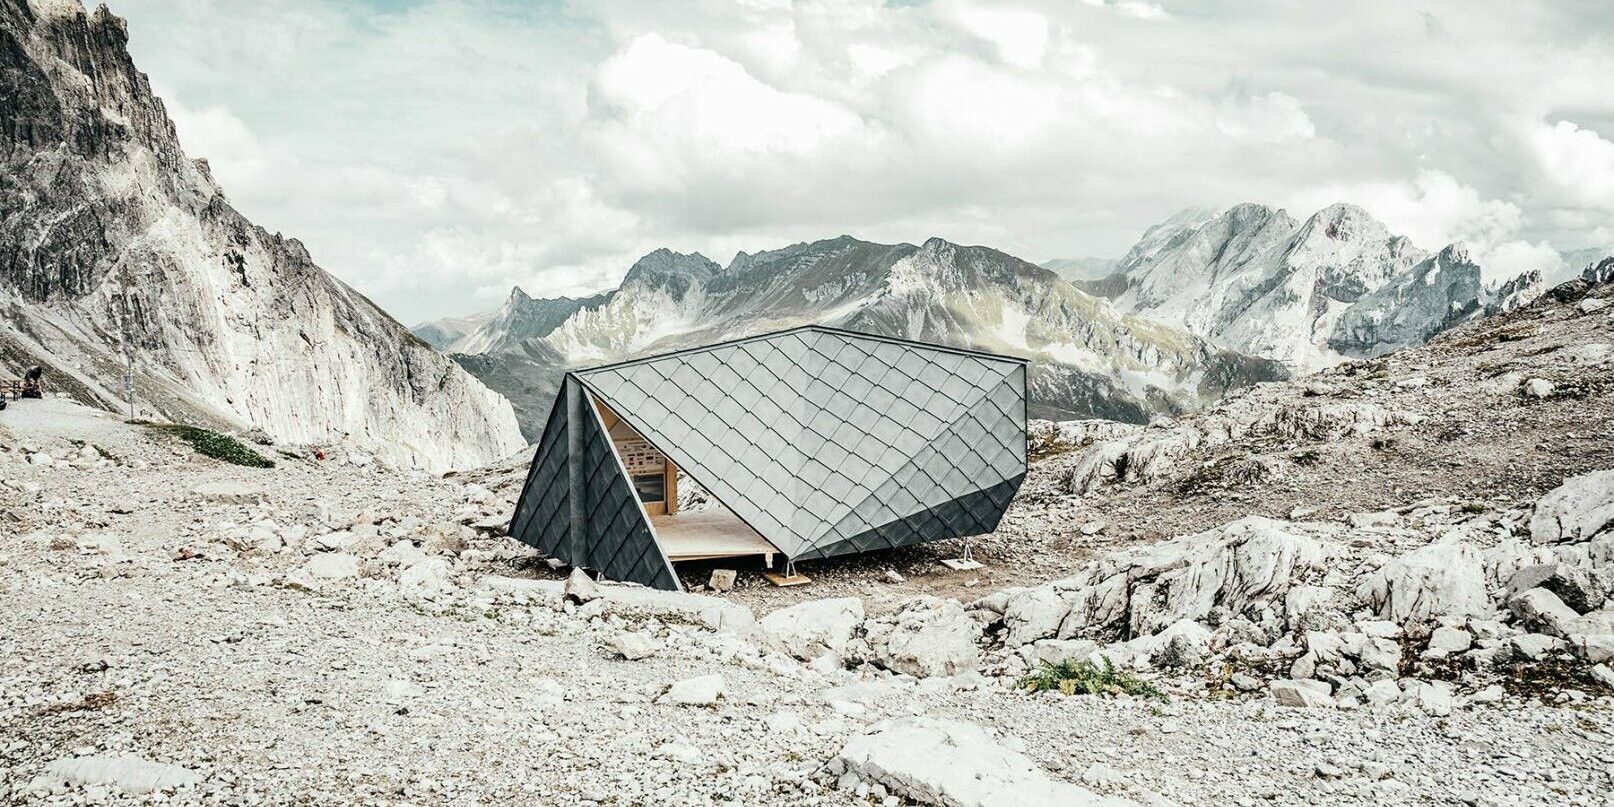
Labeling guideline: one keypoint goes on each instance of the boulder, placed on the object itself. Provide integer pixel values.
(1603, 675)
(1141, 591)
(1378, 655)
(1592, 636)
(1541, 610)
(1434, 698)
(1447, 641)
(633, 645)
(1381, 693)
(811, 629)
(1578, 510)
(1420, 587)
(1533, 646)
(580, 588)
(955, 764)
(403, 554)
(1579, 587)
(1180, 652)
(703, 690)
(721, 580)
(925, 636)
(1061, 651)
(444, 538)
(1301, 694)
(669, 606)
(1032, 614)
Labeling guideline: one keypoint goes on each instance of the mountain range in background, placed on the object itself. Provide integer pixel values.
(1205, 302)
(1239, 278)
(1307, 293)
(119, 252)
(1090, 360)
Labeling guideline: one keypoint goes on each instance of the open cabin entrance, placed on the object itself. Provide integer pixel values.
(708, 531)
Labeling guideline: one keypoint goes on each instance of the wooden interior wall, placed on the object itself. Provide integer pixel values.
(669, 503)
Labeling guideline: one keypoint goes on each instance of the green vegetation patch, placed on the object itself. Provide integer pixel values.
(215, 445)
(1086, 678)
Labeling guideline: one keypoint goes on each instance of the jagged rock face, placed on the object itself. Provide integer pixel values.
(111, 237)
(1309, 294)
(1088, 359)
(1599, 271)
(1434, 295)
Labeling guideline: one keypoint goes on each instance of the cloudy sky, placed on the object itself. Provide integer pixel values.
(434, 153)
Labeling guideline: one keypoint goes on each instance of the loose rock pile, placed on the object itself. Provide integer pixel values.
(1392, 607)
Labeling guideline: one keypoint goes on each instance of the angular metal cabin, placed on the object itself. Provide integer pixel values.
(815, 441)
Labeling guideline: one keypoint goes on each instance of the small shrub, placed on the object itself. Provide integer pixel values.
(215, 445)
(1086, 678)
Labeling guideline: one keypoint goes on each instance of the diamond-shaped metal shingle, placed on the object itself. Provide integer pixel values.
(799, 432)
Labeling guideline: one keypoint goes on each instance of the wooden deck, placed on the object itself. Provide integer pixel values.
(707, 534)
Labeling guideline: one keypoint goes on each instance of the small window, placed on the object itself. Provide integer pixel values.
(652, 488)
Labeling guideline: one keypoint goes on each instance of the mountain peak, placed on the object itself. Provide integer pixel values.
(1343, 221)
(664, 264)
(1456, 252)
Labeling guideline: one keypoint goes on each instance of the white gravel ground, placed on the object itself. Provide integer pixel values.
(275, 691)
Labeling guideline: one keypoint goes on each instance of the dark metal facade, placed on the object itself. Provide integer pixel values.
(578, 505)
(825, 442)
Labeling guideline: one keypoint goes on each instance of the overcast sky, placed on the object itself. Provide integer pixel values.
(433, 153)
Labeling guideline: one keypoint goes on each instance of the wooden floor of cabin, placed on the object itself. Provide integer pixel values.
(705, 534)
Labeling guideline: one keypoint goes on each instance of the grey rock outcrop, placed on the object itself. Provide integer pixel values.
(1339, 284)
(116, 242)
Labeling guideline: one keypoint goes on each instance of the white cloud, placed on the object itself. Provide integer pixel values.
(1578, 161)
(1434, 210)
(235, 156)
(1271, 118)
(1143, 11)
(439, 150)
(1019, 35)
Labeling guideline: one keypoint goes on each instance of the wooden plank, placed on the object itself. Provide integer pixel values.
(671, 485)
(780, 580)
(707, 534)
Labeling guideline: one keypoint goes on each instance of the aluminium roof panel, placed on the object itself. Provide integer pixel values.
(772, 442)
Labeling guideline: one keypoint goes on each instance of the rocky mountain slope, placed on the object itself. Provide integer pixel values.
(1307, 293)
(114, 244)
(1088, 359)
